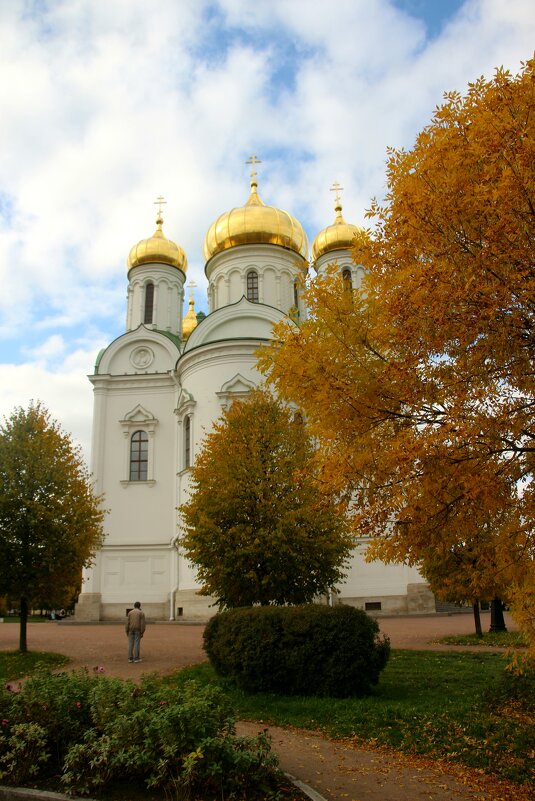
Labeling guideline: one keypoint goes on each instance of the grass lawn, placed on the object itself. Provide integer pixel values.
(31, 619)
(441, 704)
(501, 639)
(14, 664)
(464, 707)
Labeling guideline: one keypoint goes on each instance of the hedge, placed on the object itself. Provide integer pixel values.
(298, 650)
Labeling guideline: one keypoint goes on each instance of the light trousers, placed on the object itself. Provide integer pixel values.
(134, 640)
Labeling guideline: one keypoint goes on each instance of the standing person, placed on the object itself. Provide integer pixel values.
(135, 629)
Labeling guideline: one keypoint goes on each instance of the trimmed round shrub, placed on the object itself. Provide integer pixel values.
(298, 650)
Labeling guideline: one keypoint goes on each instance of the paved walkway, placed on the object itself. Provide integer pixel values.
(336, 771)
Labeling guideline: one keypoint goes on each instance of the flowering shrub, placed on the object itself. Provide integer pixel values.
(22, 751)
(93, 730)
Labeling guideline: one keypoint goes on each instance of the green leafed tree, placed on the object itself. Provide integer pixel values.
(259, 527)
(50, 519)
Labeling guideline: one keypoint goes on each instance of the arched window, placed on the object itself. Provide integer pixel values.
(346, 275)
(139, 456)
(252, 286)
(187, 441)
(149, 303)
(296, 295)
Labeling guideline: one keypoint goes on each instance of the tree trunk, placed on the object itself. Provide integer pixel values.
(23, 643)
(477, 619)
(497, 622)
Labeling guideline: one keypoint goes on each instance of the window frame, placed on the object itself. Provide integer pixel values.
(187, 450)
(138, 419)
(252, 286)
(347, 279)
(148, 303)
(139, 448)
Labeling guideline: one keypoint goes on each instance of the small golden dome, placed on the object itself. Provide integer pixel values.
(189, 322)
(255, 223)
(338, 236)
(157, 249)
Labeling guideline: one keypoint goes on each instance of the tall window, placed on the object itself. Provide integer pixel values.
(149, 302)
(296, 295)
(139, 456)
(346, 275)
(252, 286)
(187, 441)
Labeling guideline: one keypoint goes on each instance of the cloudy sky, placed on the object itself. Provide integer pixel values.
(107, 104)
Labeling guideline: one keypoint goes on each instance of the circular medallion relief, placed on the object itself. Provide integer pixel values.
(142, 357)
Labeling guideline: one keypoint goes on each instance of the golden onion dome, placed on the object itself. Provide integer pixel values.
(253, 224)
(338, 236)
(157, 249)
(189, 322)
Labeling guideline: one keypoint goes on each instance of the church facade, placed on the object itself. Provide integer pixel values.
(159, 387)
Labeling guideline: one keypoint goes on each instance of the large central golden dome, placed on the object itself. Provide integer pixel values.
(253, 224)
(157, 249)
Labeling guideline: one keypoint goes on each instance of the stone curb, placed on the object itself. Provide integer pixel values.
(26, 794)
(306, 789)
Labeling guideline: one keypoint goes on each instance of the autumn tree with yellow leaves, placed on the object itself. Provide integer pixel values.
(259, 528)
(419, 386)
(50, 518)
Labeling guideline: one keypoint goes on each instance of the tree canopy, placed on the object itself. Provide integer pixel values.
(419, 384)
(260, 528)
(50, 520)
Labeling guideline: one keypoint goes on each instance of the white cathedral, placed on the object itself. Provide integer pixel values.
(159, 387)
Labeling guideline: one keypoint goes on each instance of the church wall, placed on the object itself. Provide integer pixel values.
(269, 286)
(277, 270)
(141, 574)
(344, 260)
(384, 588)
(134, 563)
(287, 290)
(236, 288)
(168, 297)
(133, 504)
(212, 375)
(144, 356)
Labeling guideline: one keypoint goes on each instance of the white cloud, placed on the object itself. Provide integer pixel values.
(67, 395)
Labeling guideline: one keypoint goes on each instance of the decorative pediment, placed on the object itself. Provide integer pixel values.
(241, 320)
(185, 404)
(138, 353)
(236, 387)
(237, 384)
(139, 415)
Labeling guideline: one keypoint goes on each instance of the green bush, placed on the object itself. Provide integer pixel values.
(93, 731)
(22, 751)
(58, 703)
(299, 650)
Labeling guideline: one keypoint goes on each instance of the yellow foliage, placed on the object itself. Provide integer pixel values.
(419, 386)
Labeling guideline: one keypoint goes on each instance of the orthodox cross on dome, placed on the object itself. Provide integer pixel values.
(191, 286)
(337, 188)
(253, 160)
(160, 202)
